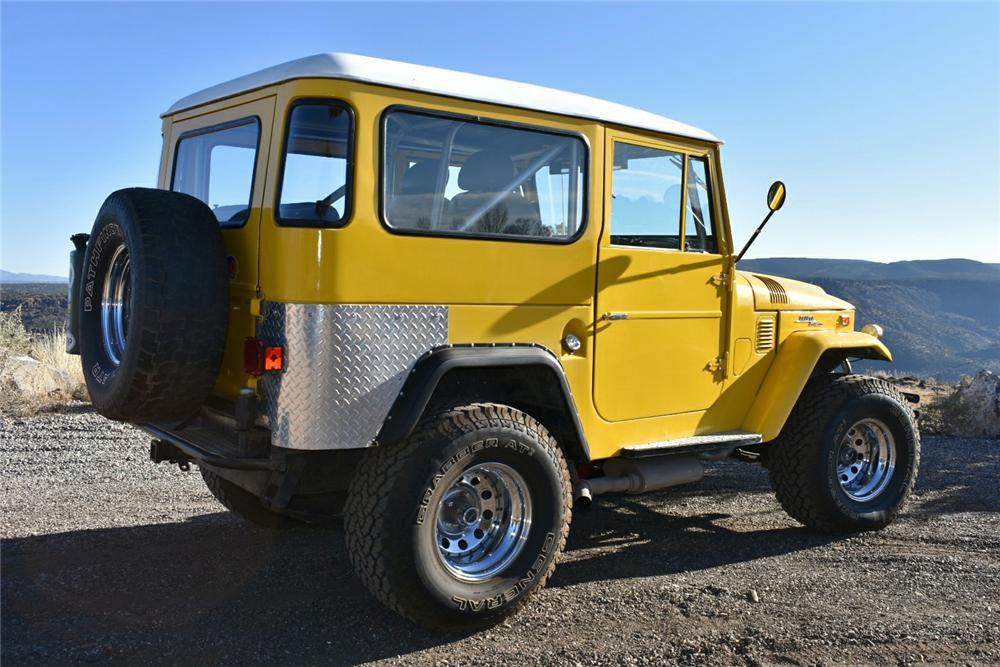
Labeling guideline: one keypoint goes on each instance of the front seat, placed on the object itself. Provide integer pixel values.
(413, 206)
(483, 176)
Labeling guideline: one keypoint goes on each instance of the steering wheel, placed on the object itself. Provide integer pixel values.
(324, 204)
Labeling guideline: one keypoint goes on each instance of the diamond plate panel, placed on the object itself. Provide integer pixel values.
(344, 365)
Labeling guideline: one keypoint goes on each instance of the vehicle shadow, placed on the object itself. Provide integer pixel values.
(630, 539)
(213, 589)
(208, 590)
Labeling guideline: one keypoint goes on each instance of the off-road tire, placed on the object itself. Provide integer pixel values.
(178, 306)
(802, 461)
(245, 504)
(396, 488)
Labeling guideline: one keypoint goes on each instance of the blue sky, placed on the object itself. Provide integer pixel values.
(883, 119)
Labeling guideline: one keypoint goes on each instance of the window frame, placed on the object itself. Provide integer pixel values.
(209, 129)
(720, 227)
(644, 143)
(482, 120)
(349, 169)
(710, 177)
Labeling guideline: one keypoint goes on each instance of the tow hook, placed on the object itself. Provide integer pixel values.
(160, 451)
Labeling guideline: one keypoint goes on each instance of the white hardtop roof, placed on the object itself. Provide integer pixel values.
(443, 82)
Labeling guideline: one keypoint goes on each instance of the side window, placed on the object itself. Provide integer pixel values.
(699, 228)
(646, 197)
(216, 165)
(453, 176)
(315, 181)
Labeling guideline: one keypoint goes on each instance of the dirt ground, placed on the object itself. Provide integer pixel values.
(108, 558)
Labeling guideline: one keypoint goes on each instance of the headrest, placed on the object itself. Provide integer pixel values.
(420, 178)
(486, 171)
(672, 198)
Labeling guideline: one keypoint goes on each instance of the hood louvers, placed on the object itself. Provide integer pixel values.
(778, 293)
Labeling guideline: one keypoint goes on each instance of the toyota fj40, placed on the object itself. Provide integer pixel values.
(448, 307)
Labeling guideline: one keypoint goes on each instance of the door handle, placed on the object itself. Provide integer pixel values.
(614, 316)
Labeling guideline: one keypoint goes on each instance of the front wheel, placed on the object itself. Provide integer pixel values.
(848, 456)
(460, 524)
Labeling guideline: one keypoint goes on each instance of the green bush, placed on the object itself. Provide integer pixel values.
(14, 339)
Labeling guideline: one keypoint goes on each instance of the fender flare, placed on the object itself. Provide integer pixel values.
(429, 370)
(796, 359)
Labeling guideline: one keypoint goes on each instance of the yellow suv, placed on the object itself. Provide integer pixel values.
(448, 307)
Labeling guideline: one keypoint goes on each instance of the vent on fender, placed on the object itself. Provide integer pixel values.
(765, 334)
(778, 293)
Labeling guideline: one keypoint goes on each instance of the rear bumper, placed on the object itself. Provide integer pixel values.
(214, 438)
(181, 448)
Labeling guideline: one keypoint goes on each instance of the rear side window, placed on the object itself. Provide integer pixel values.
(457, 176)
(315, 180)
(646, 197)
(216, 165)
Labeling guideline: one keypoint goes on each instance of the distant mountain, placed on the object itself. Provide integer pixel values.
(853, 269)
(9, 277)
(941, 317)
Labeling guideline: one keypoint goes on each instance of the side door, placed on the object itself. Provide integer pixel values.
(659, 322)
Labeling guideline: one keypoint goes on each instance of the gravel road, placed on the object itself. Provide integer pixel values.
(110, 558)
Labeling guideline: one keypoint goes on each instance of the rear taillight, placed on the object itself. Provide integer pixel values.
(274, 358)
(253, 356)
(258, 358)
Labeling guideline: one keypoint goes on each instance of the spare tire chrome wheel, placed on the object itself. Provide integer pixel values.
(116, 304)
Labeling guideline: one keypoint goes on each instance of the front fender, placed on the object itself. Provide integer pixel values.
(796, 358)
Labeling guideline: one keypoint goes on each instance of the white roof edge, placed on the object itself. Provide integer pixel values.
(440, 81)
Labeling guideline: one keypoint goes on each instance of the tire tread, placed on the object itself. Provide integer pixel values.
(790, 465)
(365, 513)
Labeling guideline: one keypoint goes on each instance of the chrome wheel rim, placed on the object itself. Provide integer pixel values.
(482, 521)
(115, 304)
(866, 460)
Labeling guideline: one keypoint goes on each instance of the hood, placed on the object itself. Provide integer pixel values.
(773, 293)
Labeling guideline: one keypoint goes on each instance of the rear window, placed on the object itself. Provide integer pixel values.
(315, 179)
(457, 176)
(216, 165)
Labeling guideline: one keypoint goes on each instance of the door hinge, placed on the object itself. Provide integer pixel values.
(717, 364)
(718, 279)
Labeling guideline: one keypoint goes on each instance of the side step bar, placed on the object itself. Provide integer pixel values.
(693, 445)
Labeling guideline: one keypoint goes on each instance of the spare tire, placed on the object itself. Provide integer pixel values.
(154, 305)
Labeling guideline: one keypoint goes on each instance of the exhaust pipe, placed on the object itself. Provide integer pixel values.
(639, 476)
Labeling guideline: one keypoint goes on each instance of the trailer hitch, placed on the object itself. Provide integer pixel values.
(160, 451)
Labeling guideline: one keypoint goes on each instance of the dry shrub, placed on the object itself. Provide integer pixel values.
(36, 374)
(50, 349)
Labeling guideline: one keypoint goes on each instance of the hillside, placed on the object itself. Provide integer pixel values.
(43, 305)
(10, 277)
(806, 268)
(941, 317)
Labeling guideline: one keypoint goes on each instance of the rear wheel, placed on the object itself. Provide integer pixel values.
(245, 504)
(848, 456)
(460, 524)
